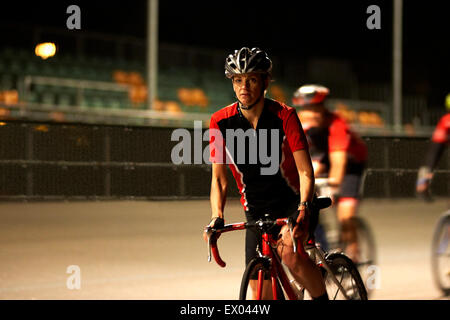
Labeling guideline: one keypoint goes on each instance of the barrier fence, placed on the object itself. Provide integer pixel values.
(56, 161)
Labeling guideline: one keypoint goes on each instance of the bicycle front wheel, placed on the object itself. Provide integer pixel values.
(345, 279)
(256, 283)
(440, 257)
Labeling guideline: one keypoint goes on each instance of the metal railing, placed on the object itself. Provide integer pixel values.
(78, 84)
(50, 161)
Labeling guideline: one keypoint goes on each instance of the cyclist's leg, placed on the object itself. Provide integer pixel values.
(304, 270)
(347, 207)
(346, 210)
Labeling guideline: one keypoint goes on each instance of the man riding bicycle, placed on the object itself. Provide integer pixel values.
(258, 124)
(439, 140)
(337, 153)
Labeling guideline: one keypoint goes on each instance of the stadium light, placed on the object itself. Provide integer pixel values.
(45, 50)
(397, 57)
(152, 51)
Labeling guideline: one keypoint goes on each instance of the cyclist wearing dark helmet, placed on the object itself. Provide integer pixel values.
(286, 191)
(439, 141)
(337, 153)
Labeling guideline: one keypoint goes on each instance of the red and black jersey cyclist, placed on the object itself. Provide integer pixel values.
(262, 124)
(337, 153)
(439, 141)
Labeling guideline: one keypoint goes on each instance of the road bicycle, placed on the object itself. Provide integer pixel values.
(440, 254)
(332, 240)
(342, 279)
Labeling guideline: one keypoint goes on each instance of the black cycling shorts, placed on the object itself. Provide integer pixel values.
(351, 186)
(252, 236)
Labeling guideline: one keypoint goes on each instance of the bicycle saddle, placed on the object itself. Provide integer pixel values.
(322, 202)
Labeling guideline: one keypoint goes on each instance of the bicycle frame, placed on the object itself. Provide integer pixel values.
(268, 251)
(277, 272)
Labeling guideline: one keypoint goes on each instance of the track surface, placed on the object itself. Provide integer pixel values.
(154, 250)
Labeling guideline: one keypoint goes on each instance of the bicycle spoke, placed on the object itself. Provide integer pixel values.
(338, 288)
(344, 282)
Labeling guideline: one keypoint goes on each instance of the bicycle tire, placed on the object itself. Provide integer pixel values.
(254, 266)
(441, 249)
(347, 274)
(367, 247)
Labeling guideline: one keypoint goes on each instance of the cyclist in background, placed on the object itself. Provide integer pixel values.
(439, 140)
(337, 153)
(287, 191)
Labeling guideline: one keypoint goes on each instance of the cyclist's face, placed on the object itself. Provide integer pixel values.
(248, 87)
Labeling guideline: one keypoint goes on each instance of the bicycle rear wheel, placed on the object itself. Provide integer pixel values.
(258, 270)
(440, 257)
(346, 273)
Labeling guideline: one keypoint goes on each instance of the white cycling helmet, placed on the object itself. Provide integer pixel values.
(310, 94)
(246, 61)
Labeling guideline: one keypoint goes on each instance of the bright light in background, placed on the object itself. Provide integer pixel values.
(45, 50)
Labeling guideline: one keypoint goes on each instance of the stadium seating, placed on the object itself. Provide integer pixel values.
(180, 88)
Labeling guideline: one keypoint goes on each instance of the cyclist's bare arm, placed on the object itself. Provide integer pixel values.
(434, 154)
(219, 185)
(319, 168)
(338, 163)
(306, 174)
(218, 194)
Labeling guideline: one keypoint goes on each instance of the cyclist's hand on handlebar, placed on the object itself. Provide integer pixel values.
(216, 222)
(301, 225)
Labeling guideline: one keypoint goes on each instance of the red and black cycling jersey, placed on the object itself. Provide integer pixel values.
(280, 133)
(336, 136)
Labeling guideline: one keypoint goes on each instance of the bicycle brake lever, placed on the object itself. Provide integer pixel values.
(208, 233)
(209, 249)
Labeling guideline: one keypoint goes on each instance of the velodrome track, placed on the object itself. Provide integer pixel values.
(155, 250)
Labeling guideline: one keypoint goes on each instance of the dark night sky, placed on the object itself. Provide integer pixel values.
(301, 28)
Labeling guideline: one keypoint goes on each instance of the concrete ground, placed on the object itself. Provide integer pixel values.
(154, 250)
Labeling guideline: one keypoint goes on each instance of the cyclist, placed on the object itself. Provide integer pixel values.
(338, 153)
(439, 140)
(286, 191)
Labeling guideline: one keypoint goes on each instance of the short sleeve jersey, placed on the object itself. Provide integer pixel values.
(336, 137)
(261, 159)
(442, 132)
